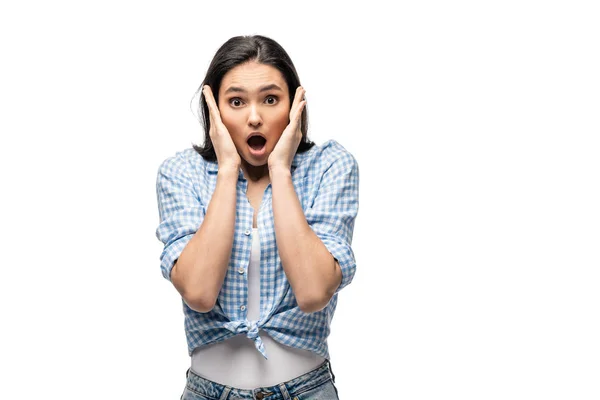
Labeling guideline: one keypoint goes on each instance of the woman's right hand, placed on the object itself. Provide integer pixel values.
(227, 154)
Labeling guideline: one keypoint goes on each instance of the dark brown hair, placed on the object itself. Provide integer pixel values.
(236, 51)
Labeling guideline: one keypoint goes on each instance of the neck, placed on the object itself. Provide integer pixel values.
(253, 173)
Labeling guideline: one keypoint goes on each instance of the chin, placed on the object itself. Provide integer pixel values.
(256, 162)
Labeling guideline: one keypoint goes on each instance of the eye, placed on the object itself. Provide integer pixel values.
(235, 102)
(274, 98)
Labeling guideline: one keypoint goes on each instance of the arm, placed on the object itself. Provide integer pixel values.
(199, 272)
(313, 273)
(197, 246)
(314, 246)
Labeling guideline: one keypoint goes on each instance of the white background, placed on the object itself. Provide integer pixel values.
(475, 125)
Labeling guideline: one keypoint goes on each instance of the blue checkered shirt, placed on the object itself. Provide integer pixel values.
(325, 179)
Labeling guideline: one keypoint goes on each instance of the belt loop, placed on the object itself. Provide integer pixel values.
(333, 379)
(187, 372)
(225, 393)
(284, 392)
(331, 370)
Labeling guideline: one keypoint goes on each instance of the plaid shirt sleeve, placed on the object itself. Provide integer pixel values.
(333, 213)
(180, 210)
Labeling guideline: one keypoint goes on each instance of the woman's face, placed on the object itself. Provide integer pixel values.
(254, 98)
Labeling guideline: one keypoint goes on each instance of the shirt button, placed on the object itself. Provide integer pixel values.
(241, 270)
(247, 232)
(243, 308)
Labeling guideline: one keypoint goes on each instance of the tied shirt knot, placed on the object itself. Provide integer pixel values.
(251, 329)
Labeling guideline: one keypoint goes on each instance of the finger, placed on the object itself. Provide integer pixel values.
(295, 118)
(299, 110)
(212, 104)
(300, 92)
(209, 99)
(299, 115)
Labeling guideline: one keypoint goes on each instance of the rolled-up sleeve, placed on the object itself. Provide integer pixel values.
(180, 209)
(333, 213)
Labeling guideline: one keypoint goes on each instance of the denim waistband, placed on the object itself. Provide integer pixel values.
(283, 391)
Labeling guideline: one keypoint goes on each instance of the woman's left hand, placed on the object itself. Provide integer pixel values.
(285, 149)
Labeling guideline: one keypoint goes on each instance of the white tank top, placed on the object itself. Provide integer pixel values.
(236, 362)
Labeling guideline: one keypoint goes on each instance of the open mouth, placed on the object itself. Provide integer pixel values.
(257, 143)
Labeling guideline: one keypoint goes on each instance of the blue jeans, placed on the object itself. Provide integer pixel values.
(317, 384)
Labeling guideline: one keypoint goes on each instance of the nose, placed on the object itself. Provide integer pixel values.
(254, 119)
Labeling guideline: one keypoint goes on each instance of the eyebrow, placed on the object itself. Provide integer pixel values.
(262, 89)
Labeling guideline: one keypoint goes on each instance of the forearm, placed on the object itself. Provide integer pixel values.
(201, 268)
(308, 265)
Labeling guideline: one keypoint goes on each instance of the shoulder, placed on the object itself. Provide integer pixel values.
(184, 161)
(332, 152)
(335, 151)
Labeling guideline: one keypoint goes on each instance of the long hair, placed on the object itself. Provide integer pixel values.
(236, 51)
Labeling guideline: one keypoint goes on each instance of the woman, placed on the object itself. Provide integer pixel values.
(257, 227)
